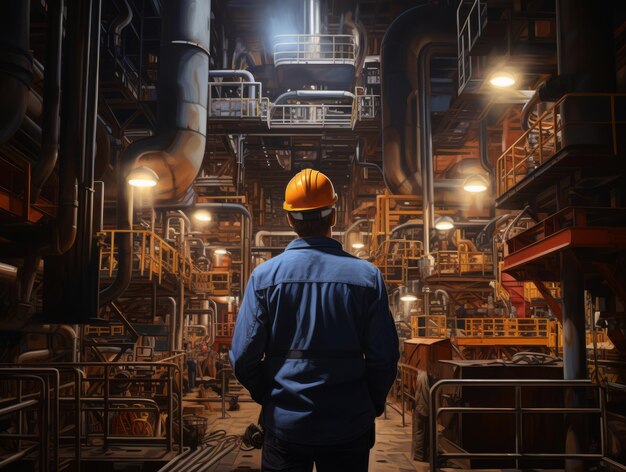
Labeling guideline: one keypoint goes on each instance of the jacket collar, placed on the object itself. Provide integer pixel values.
(314, 242)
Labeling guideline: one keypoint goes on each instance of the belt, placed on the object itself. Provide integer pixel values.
(314, 354)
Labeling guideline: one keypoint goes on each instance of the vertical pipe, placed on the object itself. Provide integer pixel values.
(313, 16)
(181, 316)
(574, 354)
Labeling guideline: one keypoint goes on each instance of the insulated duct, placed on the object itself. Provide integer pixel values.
(15, 65)
(409, 43)
(176, 152)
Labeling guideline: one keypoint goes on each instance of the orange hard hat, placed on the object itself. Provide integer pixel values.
(309, 190)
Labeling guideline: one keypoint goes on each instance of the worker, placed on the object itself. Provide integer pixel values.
(315, 343)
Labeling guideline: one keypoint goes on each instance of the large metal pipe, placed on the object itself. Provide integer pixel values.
(176, 152)
(240, 73)
(313, 95)
(409, 44)
(313, 16)
(52, 100)
(15, 65)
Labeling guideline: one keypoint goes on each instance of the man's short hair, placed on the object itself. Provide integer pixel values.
(312, 227)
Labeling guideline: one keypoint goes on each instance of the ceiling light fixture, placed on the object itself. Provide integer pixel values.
(475, 184)
(444, 223)
(142, 177)
(502, 79)
(202, 215)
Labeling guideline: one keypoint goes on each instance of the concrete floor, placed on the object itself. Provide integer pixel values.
(392, 451)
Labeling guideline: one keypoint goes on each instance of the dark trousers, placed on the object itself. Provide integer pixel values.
(284, 456)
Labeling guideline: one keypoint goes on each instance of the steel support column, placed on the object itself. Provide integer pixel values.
(574, 353)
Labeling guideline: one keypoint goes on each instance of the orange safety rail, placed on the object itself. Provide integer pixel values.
(104, 330)
(507, 331)
(457, 263)
(397, 257)
(154, 258)
(214, 282)
(531, 292)
(543, 140)
(429, 326)
(225, 329)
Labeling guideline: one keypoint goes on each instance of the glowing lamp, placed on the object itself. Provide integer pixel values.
(502, 79)
(142, 177)
(358, 245)
(444, 223)
(475, 184)
(202, 215)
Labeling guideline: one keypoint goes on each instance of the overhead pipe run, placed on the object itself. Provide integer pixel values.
(176, 152)
(407, 47)
(313, 95)
(15, 65)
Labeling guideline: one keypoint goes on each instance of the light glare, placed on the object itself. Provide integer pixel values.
(408, 298)
(142, 177)
(358, 245)
(444, 223)
(202, 215)
(502, 79)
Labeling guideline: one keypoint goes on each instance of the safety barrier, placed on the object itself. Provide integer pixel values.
(29, 399)
(73, 412)
(397, 258)
(237, 101)
(519, 410)
(156, 259)
(531, 292)
(429, 326)
(457, 263)
(314, 49)
(544, 139)
(312, 115)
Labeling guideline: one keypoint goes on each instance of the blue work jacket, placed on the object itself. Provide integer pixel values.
(315, 343)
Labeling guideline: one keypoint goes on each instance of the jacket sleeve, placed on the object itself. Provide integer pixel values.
(381, 350)
(248, 344)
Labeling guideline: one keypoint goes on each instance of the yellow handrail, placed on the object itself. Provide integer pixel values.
(156, 258)
(543, 139)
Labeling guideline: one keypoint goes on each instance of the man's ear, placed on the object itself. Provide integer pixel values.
(289, 220)
(334, 218)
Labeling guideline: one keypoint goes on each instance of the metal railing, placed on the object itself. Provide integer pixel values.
(519, 411)
(312, 115)
(468, 31)
(504, 327)
(368, 107)
(237, 101)
(29, 402)
(429, 326)
(457, 263)
(214, 282)
(544, 139)
(397, 257)
(156, 259)
(531, 292)
(314, 49)
(94, 409)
